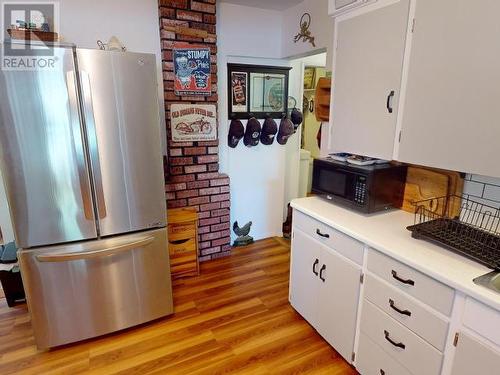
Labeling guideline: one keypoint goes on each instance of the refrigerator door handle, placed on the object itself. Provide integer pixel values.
(88, 108)
(66, 257)
(83, 172)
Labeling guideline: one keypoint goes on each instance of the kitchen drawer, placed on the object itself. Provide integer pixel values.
(412, 314)
(482, 319)
(181, 231)
(341, 243)
(419, 357)
(372, 360)
(411, 281)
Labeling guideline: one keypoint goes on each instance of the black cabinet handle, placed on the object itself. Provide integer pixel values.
(397, 344)
(316, 262)
(395, 308)
(407, 281)
(382, 372)
(324, 235)
(389, 97)
(323, 268)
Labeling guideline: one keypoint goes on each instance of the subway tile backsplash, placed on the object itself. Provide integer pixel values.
(485, 188)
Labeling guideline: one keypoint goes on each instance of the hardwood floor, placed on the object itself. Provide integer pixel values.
(233, 319)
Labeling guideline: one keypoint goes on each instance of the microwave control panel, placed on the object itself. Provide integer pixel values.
(360, 190)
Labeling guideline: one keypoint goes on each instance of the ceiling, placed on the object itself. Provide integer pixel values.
(265, 4)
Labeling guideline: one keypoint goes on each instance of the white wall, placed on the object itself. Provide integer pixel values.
(321, 28)
(250, 36)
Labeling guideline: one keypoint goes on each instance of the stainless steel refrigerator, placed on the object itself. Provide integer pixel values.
(83, 171)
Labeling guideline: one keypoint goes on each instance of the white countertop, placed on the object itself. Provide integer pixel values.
(387, 233)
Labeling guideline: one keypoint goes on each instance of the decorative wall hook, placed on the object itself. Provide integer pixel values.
(305, 33)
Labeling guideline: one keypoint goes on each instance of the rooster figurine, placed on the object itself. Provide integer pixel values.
(242, 233)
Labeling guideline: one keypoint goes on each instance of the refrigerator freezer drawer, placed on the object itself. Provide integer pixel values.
(85, 290)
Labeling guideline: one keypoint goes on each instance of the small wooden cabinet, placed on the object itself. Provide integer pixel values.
(183, 242)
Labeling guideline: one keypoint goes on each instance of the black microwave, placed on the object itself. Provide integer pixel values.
(366, 189)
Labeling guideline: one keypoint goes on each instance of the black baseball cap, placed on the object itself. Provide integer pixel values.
(286, 131)
(252, 132)
(296, 117)
(269, 130)
(236, 132)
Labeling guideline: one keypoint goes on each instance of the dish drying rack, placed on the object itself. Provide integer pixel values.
(462, 225)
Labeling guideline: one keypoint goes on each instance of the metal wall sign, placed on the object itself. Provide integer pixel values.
(192, 70)
(193, 122)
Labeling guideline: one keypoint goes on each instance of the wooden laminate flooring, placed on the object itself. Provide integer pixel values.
(233, 319)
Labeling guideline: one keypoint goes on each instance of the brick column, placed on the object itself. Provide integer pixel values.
(192, 171)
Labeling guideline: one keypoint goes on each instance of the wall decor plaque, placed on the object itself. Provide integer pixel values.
(193, 122)
(192, 70)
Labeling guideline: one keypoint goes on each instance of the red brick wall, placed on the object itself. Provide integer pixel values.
(192, 170)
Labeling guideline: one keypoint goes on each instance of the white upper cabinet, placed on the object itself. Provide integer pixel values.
(370, 45)
(451, 116)
(337, 7)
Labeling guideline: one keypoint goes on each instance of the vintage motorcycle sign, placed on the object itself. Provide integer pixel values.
(193, 122)
(192, 71)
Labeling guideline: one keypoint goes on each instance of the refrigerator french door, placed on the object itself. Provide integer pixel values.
(82, 167)
(120, 107)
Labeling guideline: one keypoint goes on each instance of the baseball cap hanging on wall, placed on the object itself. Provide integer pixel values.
(286, 131)
(252, 132)
(236, 132)
(296, 117)
(269, 130)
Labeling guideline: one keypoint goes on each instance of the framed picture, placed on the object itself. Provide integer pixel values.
(267, 92)
(257, 91)
(239, 91)
(193, 122)
(309, 78)
(191, 70)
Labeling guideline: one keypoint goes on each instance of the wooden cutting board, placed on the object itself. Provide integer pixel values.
(455, 187)
(421, 184)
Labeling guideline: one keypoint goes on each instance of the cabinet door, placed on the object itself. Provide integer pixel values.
(338, 301)
(303, 279)
(451, 110)
(472, 357)
(367, 80)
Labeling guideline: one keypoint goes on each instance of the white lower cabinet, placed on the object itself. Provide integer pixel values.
(407, 319)
(324, 289)
(473, 357)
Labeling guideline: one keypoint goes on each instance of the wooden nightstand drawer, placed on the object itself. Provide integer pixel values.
(183, 242)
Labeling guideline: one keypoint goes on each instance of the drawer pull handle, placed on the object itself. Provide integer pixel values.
(179, 242)
(323, 268)
(407, 282)
(395, 308)
(324, 235)
(397, 344)
(382, 372)
(316, 262)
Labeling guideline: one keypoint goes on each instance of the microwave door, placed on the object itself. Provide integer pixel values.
(334, 182)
